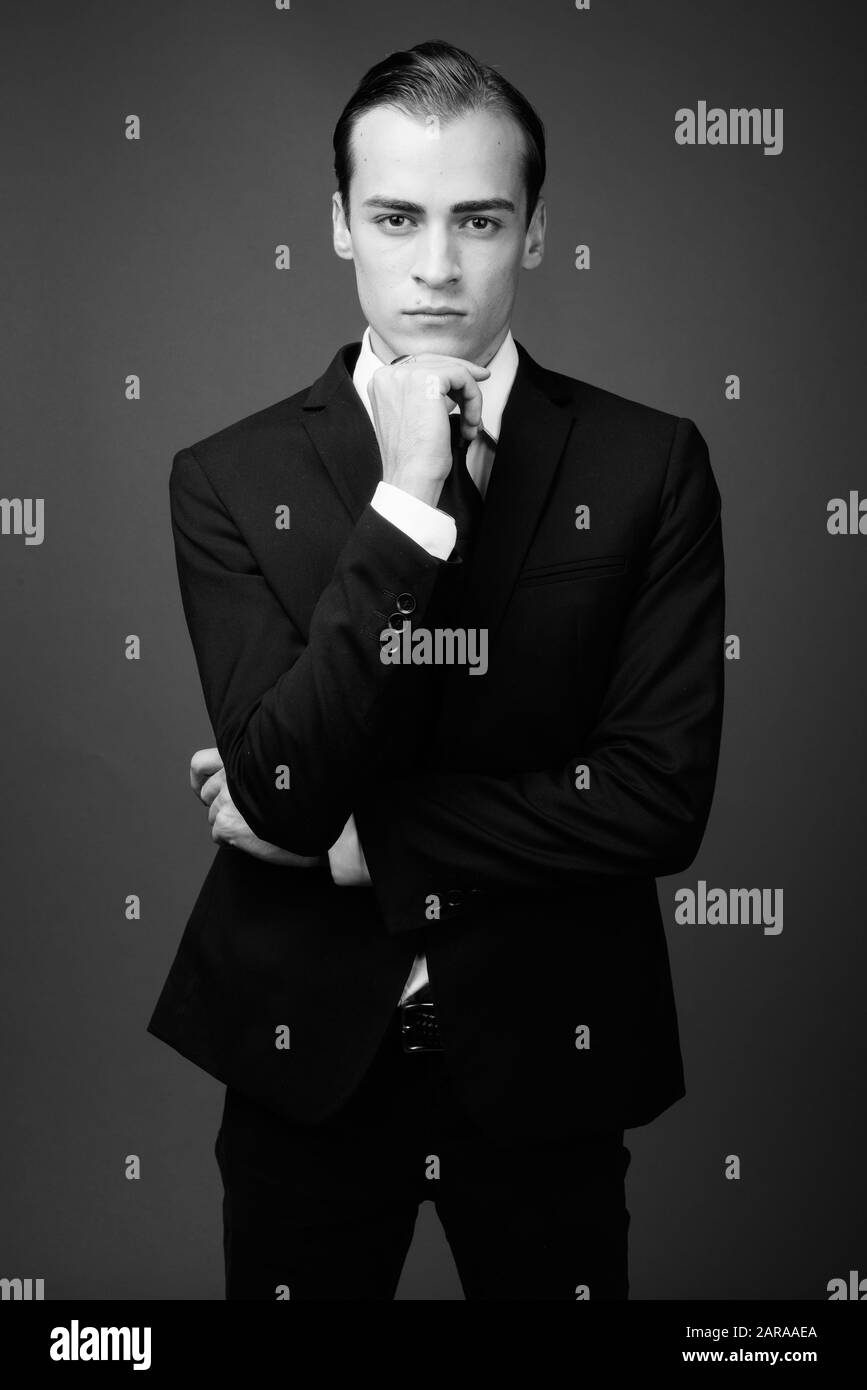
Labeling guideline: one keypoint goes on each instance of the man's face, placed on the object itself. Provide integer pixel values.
(436, 254)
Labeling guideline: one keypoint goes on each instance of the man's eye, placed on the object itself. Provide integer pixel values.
(392, 217)
(489, 228)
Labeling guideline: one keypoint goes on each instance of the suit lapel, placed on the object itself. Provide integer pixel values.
(533, 432)
(342, 432)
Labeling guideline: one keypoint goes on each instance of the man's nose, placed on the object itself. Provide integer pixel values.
(437, 262)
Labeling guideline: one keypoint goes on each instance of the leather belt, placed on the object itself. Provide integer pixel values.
(419, 1027)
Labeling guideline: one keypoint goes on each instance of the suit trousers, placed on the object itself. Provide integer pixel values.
(328, 1211)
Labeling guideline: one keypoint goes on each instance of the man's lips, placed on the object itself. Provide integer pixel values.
(437, 313)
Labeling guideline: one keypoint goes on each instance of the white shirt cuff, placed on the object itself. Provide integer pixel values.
(430, 528)
(346, 858)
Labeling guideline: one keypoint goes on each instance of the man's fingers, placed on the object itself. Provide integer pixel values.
(213, 786)
(469, 403)
(203, 763)
(461, 387)
(423, 359)
(457, 380)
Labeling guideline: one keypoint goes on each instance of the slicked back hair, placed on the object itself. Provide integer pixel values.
(437, 79)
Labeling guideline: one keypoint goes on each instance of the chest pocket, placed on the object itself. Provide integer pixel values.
(589, 567)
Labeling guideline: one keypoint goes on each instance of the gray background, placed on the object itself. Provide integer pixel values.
(157, 258)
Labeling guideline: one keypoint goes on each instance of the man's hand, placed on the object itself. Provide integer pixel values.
(411, 402)
(228, 827)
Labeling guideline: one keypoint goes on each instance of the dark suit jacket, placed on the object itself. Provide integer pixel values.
(605, 650)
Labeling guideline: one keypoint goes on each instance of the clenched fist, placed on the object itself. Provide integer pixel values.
(411, 401)
(228, 827)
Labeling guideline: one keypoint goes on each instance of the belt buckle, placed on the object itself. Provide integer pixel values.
(419, 1031)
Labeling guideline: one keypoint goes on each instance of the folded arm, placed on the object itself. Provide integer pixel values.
(652, 755)
(316, 714)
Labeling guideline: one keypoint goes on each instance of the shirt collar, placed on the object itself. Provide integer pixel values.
(495, 388)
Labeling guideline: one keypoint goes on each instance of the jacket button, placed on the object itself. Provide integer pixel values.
(405, 604)
(397, 621)
(454, 897)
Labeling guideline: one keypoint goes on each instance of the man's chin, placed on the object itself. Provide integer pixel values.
(406, 340)
(433, 338)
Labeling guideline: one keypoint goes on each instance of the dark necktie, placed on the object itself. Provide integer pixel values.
(460, 497)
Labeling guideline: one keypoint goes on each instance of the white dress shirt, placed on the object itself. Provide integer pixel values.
(436, 532)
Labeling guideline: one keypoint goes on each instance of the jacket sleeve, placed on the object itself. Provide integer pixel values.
(652, 754)
(322, 708)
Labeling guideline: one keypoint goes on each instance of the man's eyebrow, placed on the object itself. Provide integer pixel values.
(473, 205)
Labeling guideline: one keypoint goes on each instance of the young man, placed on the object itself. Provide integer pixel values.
(459, 624)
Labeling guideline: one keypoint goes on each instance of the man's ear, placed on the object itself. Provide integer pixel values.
(342, 234)
(534, 241)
